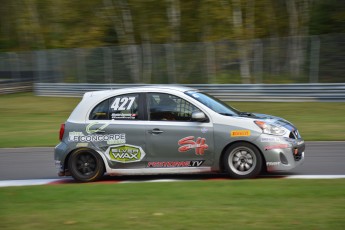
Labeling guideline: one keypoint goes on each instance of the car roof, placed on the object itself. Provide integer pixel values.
(149, 88)
(90, 99)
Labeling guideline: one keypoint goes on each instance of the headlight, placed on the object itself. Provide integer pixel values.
(270, 129)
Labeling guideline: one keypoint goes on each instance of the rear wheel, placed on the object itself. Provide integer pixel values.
(86, 165)
(242, 161)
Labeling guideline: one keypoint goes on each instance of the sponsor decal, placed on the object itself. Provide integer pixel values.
(174, 164)
(101, 114)
(280, 146)
(73, 136)
(95, 127)
(82, 144)
(300, 142)
(292, 141)
(188, 143)
(123, 116)
(272, 163)
(122, 103)
(58, 165)
(125, 153)
(204, 130)
(240, 133)
(271, 139)
(109, 138)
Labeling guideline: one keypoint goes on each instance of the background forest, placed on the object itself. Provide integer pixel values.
(223, 41)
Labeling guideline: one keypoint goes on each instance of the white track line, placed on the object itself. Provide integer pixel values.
(8, 183)
(315, 177)
(11, 183)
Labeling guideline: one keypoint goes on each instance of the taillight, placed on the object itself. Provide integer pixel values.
(62, 131)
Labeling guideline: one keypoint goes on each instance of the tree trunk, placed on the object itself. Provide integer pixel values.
(242, 45)
(36, 24)
(210, 62)
(298, 18)
(124, 29)
(147, 58)
(174, 16)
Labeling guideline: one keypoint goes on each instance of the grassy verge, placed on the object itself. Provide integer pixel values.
(27, 120)
(243, 204)
(316, 121)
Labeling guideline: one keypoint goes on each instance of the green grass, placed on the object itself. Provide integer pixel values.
(230, 204)
(28, 121)
(316, 121)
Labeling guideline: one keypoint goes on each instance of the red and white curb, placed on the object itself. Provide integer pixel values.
(11, 183)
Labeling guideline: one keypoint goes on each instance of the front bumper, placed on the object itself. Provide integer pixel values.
(283, 155)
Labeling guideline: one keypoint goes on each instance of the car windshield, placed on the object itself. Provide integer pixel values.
(213, 103)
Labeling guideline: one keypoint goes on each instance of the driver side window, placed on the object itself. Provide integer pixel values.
(167, 107)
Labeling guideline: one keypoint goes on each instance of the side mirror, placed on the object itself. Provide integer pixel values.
(199, 116)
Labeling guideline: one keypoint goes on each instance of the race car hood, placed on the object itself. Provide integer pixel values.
(278, 121)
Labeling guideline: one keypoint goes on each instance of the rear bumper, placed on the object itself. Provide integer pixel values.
(60, 157)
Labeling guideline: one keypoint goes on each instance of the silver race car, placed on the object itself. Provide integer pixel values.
(171, 129)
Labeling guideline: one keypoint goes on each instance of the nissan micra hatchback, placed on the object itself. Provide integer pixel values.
(171, 129)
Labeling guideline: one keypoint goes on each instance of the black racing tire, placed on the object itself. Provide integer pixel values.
(242, 161)
(86, 165)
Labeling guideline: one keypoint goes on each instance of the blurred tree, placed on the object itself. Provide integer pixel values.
(8, 33)
(327, 16)
(72, 24)
(49, 24)
(298, 15)
(38, 24)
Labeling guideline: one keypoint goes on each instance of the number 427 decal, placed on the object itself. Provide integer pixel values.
(122, 103)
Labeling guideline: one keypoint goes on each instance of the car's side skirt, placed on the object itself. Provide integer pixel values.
(153, 171)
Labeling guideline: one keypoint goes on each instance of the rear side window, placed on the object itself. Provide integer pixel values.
(101, 111)
(122, 107)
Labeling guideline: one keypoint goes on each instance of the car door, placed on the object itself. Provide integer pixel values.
(173, 139)
(118, 130)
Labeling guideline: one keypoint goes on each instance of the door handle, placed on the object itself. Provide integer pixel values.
(155, 131)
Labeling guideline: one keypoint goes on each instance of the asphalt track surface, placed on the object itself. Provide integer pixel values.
(321, 158)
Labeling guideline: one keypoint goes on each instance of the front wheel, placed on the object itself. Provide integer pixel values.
(86, 165)
(242, 161)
